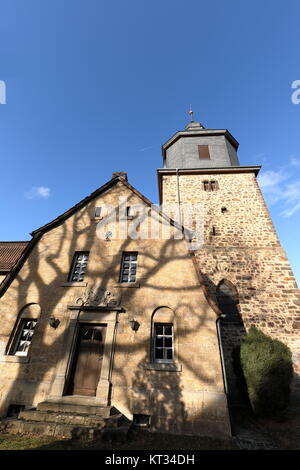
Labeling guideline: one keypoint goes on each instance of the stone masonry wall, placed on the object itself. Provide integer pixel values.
(245, 250)
(188, 399)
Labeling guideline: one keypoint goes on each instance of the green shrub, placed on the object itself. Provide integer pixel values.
(268, 370)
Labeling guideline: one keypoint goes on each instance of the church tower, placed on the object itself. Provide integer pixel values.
(246, 271)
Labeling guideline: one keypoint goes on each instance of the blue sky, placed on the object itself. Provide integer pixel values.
(95, 87)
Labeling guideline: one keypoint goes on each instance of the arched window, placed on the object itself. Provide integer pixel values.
(227, 297)
(23, 331)
(163, 336)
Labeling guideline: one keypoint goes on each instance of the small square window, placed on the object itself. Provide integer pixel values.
(141, 420)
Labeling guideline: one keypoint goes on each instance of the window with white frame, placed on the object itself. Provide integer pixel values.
(24, 337)
(79, 266)
(128, 267)
(163, 342)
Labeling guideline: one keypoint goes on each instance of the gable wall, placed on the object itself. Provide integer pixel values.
(191, 397)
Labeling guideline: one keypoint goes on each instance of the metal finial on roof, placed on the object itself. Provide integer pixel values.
(191, 113)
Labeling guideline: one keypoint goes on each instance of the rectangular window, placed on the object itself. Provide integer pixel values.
(203, 151)
(128, 267)
(210, 185)
(79, 265)
(24, 337)
(97, 211)
(163, 342)
(214, 185)
(206, 185)
(129, 211)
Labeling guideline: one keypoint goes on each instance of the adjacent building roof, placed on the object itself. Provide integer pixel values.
(10, 252)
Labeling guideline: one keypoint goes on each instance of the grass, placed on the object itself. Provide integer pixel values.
(140, 441)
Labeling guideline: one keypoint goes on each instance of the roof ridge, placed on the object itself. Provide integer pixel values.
(15, 241)
(95, 193)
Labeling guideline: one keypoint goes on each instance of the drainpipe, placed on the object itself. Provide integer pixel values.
(178, 197)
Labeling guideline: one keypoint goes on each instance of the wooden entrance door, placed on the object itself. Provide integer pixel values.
(88, 360)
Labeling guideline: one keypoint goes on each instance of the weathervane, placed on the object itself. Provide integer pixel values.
(191, 113)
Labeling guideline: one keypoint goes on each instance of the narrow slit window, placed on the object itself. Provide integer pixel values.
(206, 185)
(129, 211)
(129, 267)
(163, 342)
(214, 185)
(98, 212)
(79, 265)
(211, 185)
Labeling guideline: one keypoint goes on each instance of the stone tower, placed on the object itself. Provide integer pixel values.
(245, 269)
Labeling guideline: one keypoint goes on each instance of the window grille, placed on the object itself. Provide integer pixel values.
(163, 342)
(24, 337)
(79, 265)
(129, 267)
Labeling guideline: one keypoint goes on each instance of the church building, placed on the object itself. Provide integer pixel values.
(121, 308)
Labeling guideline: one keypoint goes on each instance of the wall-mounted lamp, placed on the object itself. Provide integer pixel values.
(54, 322)
(134, 325)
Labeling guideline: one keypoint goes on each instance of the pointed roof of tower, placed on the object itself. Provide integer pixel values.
(193, 125)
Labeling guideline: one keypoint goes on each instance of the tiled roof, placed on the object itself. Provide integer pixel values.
(10, 252)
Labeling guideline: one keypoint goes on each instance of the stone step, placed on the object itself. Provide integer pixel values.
(36, 428)
(63, 430)
(70, 418)
(65, 407)
(77, 399)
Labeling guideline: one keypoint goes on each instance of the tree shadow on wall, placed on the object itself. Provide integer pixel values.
(232, 330)
(48, 345)
(162, 392)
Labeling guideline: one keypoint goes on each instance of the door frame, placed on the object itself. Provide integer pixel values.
(74, 359)
(76, 317)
